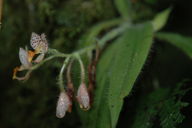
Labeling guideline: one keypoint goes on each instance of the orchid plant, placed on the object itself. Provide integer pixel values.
(32, 59)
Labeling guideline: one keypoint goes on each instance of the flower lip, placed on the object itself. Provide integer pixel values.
(83, 97)
(64, 104)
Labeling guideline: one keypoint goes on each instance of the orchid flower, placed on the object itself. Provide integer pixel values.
(40, 46)
(25, 58)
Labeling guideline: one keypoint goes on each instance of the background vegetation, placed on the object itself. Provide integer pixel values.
(158, 64)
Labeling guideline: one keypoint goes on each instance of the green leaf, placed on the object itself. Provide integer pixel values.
(161, 19)
(131, 53)
(124, 8)
(182, 42)
(117, 71)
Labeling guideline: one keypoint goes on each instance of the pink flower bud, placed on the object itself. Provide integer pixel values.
(63, 104)
(83, 97)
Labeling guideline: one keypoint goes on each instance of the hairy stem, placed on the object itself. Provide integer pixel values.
(60, 81)
(101, 42)
(69, 72)
(82, 69)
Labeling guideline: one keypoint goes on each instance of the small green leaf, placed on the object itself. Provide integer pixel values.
(170, 114)
(117, 71)
(146, 110)
(163, 104)
(124, 8)
(161, 19)
(182, 42)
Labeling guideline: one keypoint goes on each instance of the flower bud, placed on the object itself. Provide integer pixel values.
(63, 104)
(83, 97)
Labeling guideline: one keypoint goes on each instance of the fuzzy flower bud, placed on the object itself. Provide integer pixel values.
(83, 97)
(64, 104)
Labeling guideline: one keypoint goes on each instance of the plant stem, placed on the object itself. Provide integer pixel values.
(68, 75)
(61, 83)
(113, 33)
(82, 68)
(109, 36)
(1, 11)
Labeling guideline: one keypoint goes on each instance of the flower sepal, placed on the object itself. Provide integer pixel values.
(83, 97)
(64, 104)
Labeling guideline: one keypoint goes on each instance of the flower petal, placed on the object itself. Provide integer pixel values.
(35, 40)
(39, 43)
(45, 43)
(23, 56)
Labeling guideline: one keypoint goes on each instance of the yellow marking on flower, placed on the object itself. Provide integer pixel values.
(15, 70)
(30, 55)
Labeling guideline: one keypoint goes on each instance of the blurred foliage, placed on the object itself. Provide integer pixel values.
(161, 105)
(69, 25)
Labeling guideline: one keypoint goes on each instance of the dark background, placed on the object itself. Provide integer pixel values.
(32, 104)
